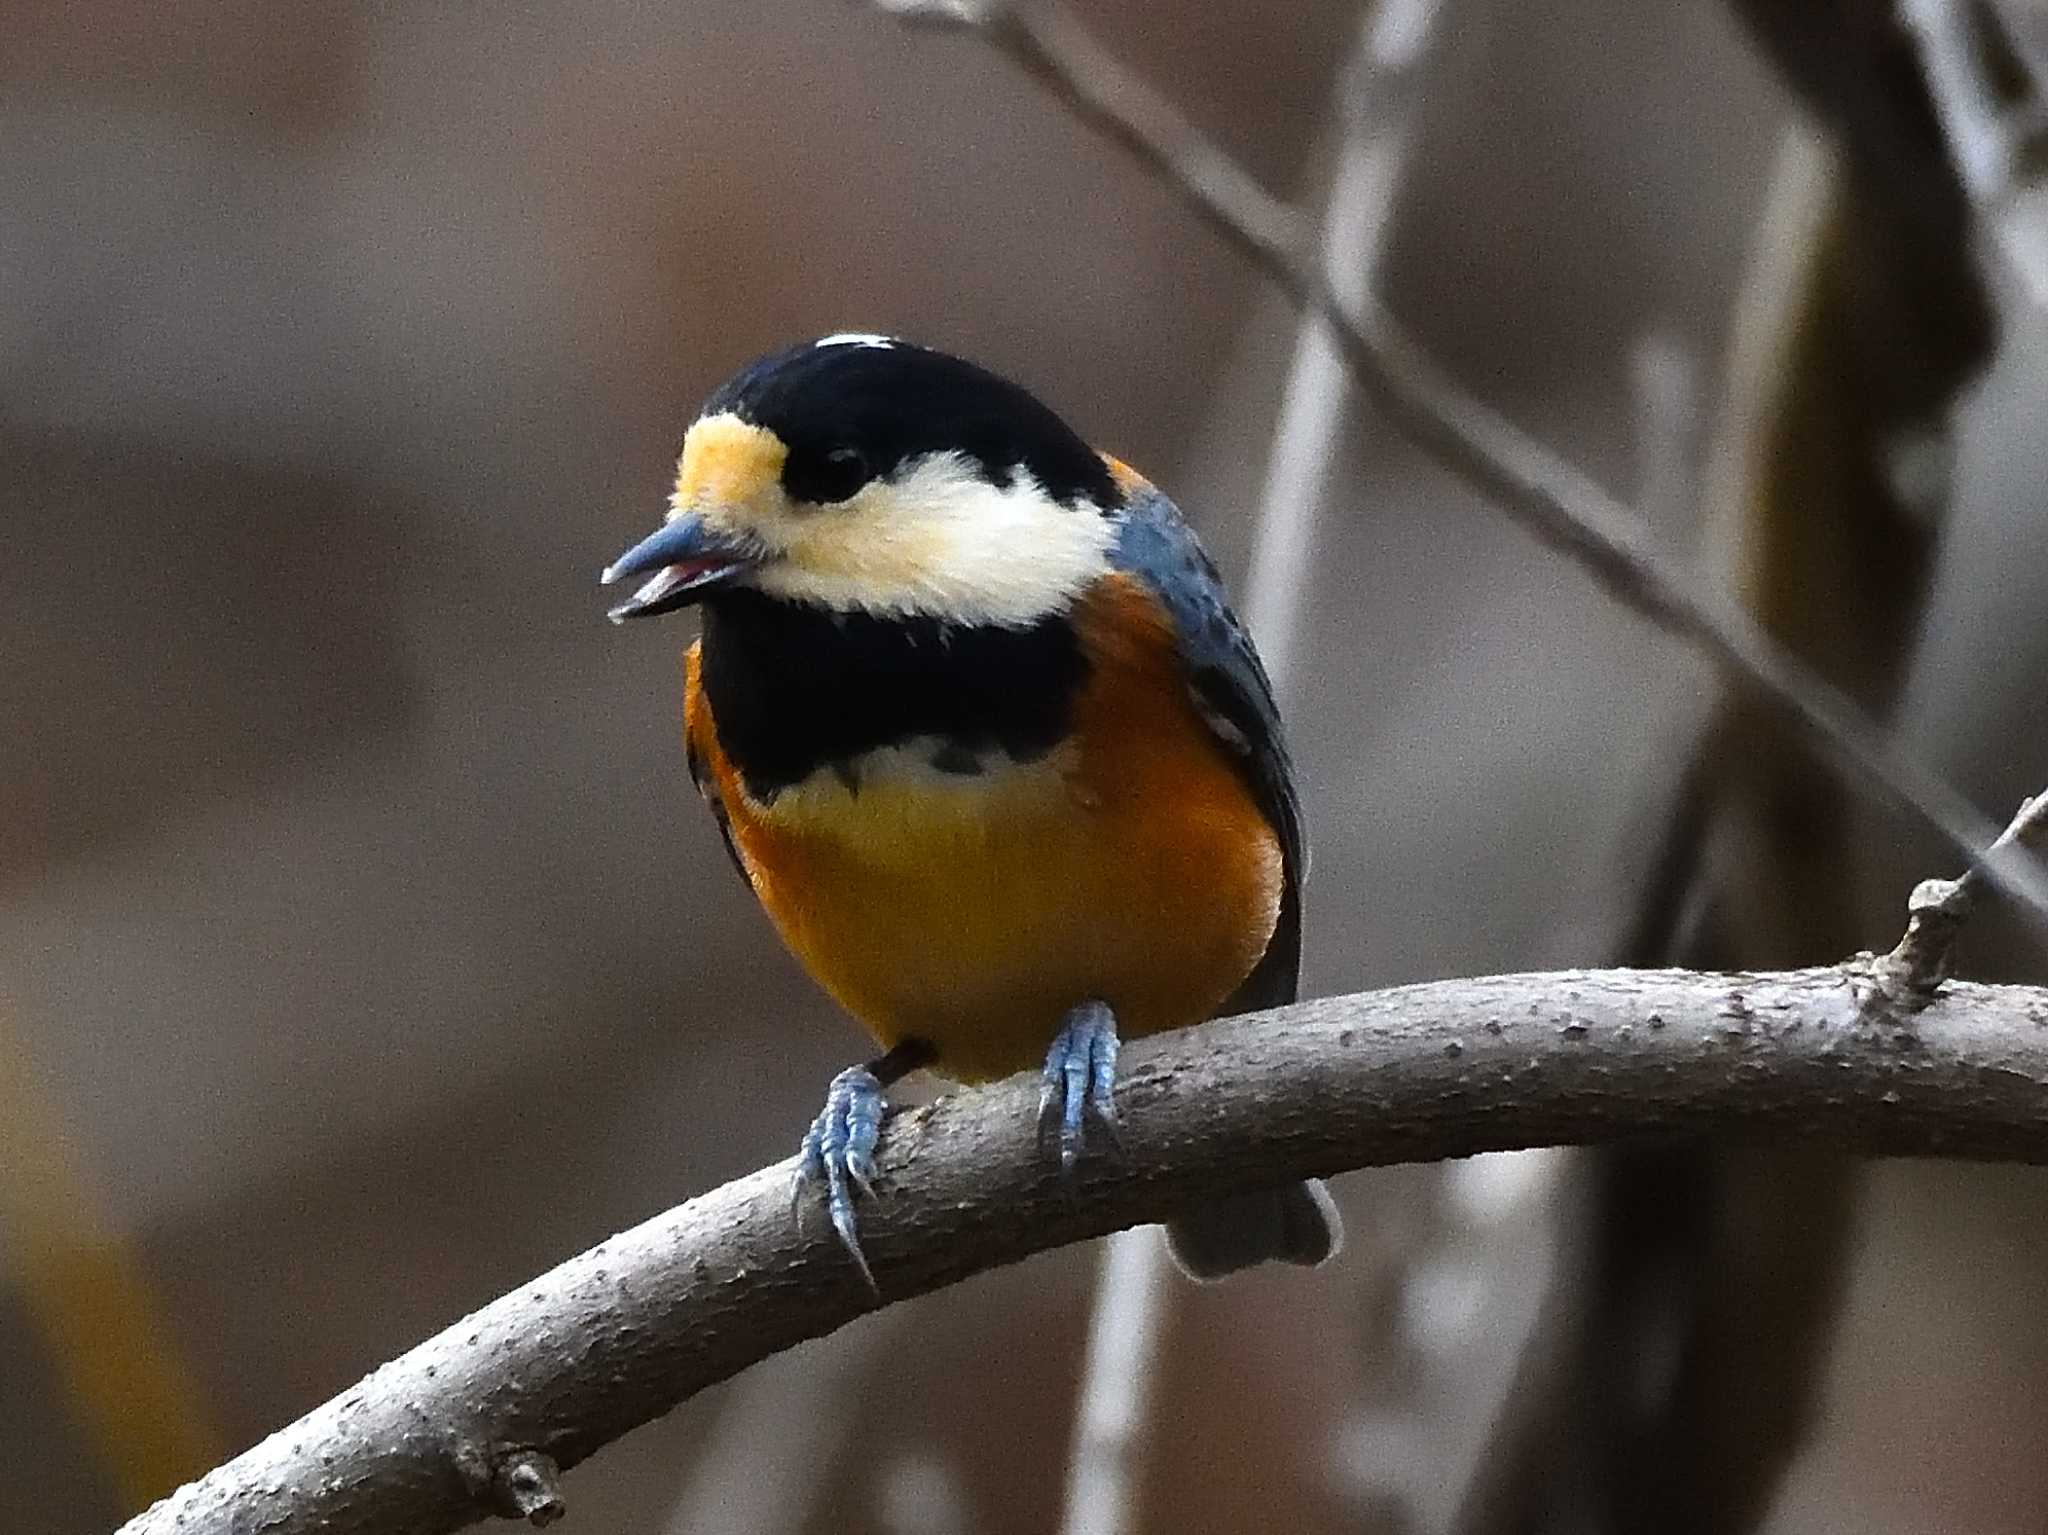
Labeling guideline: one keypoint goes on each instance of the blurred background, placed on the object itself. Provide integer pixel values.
(366, 951)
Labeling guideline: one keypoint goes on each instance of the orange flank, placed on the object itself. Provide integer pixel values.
(1132, 864)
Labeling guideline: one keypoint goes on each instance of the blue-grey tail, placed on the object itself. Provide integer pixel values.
(1295, 1224)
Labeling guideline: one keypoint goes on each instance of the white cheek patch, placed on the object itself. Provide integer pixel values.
(940, 541)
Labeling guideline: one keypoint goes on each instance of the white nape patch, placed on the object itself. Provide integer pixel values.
(855, 338)
(937, 540)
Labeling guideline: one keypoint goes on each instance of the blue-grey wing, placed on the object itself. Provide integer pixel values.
(1234, 694)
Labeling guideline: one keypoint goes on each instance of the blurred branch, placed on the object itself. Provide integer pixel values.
(1545, 495)
(1664, 386)
(476, 1420)
(1984, 136)
(1993, 122)
(919, 1493)
(89, 1295)
(1117, 1384)
(778, 1436)
(1376, 107)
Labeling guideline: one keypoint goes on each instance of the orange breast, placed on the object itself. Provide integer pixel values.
(1131, 865)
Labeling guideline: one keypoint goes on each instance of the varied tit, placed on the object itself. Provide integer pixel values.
(981, 731)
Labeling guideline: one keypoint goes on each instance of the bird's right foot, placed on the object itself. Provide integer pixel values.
(839, 1148)
(839, 1151)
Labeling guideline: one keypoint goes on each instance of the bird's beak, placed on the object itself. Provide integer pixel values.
(690, 560)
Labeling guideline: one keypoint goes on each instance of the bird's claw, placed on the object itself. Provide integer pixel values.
(839, 1151)
(1080, 1080)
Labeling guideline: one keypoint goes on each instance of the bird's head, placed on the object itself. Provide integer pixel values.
(860, 473)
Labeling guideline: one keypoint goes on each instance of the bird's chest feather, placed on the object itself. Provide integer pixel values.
(1003, 854)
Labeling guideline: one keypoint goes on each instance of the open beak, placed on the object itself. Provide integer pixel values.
(689, 561)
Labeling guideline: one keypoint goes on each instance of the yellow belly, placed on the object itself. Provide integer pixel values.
(1131, 865)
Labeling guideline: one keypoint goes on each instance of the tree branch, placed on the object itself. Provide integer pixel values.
(481, 1419)
(551, 1372)
(1546, 496)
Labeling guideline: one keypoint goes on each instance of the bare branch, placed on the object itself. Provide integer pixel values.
(642, 1322)
(1546, 496)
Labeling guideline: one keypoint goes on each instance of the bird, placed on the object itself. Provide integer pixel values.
(979, 728)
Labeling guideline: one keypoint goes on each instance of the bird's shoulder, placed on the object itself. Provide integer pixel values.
(1155, 545)
(1225, 677)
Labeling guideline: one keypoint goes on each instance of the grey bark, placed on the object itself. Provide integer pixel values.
(478, 1419)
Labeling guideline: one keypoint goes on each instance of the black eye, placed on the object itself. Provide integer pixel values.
(832, 475)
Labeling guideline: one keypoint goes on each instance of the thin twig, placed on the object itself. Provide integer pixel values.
(621, 1334)
(1914, 971)
(1545, 495)
(528, 1486)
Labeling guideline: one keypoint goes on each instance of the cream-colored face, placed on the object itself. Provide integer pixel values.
(932, 538)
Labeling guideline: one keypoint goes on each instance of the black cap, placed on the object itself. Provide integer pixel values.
(856, 408)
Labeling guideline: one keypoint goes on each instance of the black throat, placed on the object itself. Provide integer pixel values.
(795, 689)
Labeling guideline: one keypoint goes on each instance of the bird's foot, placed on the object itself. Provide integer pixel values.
(1080, 1080)
(839, 1148)
(839, 1151)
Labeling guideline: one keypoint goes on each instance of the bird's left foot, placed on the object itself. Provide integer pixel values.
(1080, 1079)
